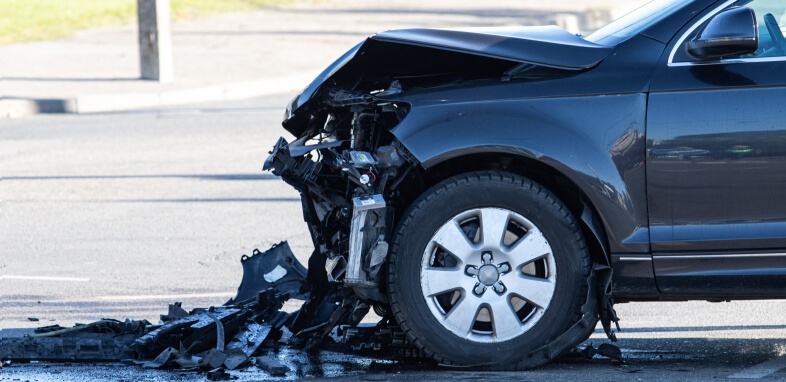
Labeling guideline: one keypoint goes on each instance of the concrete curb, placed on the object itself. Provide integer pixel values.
(13, 107)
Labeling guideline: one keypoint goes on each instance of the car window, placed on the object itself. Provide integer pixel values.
(769, 35)
(635, 21)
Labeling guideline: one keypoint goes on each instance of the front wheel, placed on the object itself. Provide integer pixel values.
(485, 268)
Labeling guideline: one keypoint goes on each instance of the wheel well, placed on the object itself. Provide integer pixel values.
(567, 191)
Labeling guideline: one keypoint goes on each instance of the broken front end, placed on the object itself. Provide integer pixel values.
(348, 168)
(463, 257)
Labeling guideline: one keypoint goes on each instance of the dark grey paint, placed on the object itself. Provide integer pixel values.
(716, 171)
(542, 45)
(634, 278)
(597, 142)
(605, 137)
(722, 276)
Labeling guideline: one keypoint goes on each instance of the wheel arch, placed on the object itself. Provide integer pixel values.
(564, 188)
(568, 192)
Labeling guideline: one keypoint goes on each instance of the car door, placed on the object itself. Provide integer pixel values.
(716, 162)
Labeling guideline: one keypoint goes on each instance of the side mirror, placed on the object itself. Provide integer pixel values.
(731, 32)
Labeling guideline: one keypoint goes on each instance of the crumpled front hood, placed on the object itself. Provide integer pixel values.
(467, 54)
(542, 45)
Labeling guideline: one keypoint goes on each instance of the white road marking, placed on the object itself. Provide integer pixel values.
(44, 278)
(163, 296)
(763, 369)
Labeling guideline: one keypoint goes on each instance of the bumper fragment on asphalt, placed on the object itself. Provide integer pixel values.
(239, 334)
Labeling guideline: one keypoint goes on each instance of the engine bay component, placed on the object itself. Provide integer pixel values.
(361, 159)
(347, 167)
(367, 221)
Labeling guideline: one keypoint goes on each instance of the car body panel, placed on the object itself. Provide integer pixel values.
(634, 277)
(321, 78)
(739, 275)
(539, 119)
(717, 219)
(606, 157)
(540, 45)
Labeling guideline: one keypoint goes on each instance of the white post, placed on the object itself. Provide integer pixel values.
(155, 40)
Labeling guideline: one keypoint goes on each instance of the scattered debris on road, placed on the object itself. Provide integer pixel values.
(242, 333)
(613, 353)
(229, 337)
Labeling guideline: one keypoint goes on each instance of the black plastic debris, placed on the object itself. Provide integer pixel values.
(162, 359)
(384, 340)
(275, 268)
(612, 352)
(250, 338)
(106, 325)
(103, 340)
(213, 359)
(176, 312)
(218, 375)
(606, 350)
(85, 347)
(238, 334)
(271, 365)
(198, 326)
(235, 359)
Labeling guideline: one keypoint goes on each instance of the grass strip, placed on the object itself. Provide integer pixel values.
(32, 20)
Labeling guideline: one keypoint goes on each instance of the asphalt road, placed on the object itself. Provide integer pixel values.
(117, 215)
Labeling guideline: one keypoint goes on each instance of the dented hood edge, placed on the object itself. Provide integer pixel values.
(540, 45)
(549, 46)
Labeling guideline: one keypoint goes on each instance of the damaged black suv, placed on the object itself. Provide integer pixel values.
(494, 191)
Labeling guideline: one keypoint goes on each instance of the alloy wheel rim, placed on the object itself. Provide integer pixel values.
(488, 275)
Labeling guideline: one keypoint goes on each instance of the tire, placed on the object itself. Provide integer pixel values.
(484, 301)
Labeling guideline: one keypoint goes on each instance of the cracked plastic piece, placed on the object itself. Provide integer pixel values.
(81, 346)
(103, 340)
(383, 340)
(604, 350)
(162, 359)
(235, 359)
(196, 327)
(218, 374)
(275, 268)
(250, 338)
(271, 366)
(176, 312)
(213, 359)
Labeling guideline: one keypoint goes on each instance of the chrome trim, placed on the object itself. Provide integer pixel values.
(684, 36)
(718, 256)
(636, 258)
(730, 61)
(731, 39)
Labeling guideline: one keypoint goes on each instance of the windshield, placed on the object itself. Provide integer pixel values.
(636, 21)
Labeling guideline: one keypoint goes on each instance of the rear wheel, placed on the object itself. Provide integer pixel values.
(485, 268)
